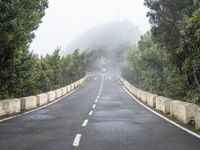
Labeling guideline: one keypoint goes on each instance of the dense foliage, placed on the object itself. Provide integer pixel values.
(36, 74)
(166, 60)
(23, 73)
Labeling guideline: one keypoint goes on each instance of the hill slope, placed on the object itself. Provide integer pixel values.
(108, 36)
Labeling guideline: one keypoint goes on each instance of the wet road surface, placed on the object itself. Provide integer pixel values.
(98, 116)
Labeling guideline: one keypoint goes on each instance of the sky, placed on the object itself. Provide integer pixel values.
(65, 20)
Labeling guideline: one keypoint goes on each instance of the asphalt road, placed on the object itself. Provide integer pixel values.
(98, 116)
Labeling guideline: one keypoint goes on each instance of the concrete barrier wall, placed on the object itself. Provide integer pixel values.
(131, 89)
(51, 96)
(2, 111)
(72, 86)
(79, 82)
(197, 119)
(42, 99)
(12, 106)
(144, 96)
(163, 104)
(151, 99)
(138, 93)
(64, 91)
(76, 84)
(58, 93)
(67, 89)
(182, 111)
(28, 103)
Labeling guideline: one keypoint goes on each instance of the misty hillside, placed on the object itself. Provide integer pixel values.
(108, 36)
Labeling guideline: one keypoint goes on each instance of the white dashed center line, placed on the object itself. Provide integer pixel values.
(85, 123)
(94, 106)
(78, 136)
(77, 140)
(90, 113)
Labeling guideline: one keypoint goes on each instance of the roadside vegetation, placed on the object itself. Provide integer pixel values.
(23, 73)
(166, 60)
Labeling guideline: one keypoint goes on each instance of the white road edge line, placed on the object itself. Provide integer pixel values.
(94, 106)
(163, 117)
(85, 123)
(51, 103)
(77, 140)
(96, 100)
(97, 96)
(90, 113)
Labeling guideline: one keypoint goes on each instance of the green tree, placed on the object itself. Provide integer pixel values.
(18, 20)
(175, 28)
(145, 64)
(167, 61)
(23, 73)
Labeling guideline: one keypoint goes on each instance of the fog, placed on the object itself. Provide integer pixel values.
(109, 36)
(67, 21)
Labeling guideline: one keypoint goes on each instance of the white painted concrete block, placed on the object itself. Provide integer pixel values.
(151, 99)
(72, 86)
(42, 99)
(28, 103)
(51, 96)
(76, 84)
(131, 88)
(2, 111)
(197, 119)
(10, 106)
(68, 89)
(82, 80)
(138, 93)
(144, 96)
(58, 93)
(64, 91)
(183, 111)
(163, 104)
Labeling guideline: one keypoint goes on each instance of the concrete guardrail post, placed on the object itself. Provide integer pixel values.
(151, 99)
(28, 103)
(10, 106)
(163, 104)
(41, 99)
(51, 96)
(58, 93)
(183, 111)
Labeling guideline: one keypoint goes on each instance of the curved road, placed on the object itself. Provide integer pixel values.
(98, 116)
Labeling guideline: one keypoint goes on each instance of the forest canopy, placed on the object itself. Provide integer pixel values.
(23, 73)
(166, 60)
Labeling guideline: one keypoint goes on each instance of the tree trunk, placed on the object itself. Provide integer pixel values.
(196, 79)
